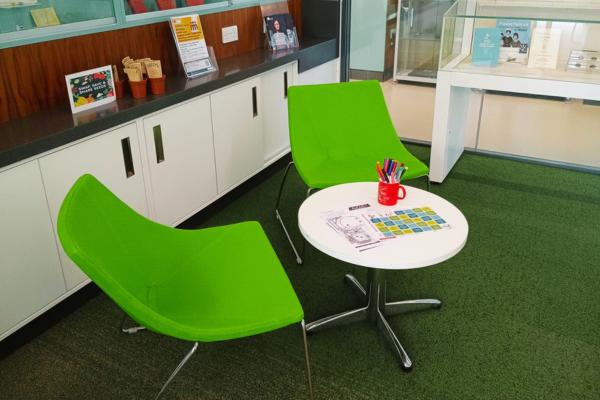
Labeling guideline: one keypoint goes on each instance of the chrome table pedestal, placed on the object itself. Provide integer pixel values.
(376, 310)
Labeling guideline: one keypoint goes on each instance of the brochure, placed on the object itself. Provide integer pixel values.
(281, 31)
(486, 47)
(545, 44)
(514, 40)
(191, 45)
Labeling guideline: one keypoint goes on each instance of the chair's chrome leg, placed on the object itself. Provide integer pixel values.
(181, 364)
(278, 216)
(133, 329)
(428, 183)
(343, 318)
(390, 336)
(308, 374)
(356, 286)
(401, 307)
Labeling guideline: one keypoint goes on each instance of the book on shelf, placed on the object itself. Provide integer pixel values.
(486, 47)
(545, 44)
(281, 32)
(515, 38)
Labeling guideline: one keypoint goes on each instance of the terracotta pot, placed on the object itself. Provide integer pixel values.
(157, 85)
(139, 90)
(119, 89)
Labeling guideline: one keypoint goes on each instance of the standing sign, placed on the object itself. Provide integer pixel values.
(191, 45)
(91, 88)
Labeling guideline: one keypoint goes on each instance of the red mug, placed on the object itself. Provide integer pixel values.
(387, 193)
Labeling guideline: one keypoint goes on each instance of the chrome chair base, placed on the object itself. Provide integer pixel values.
(376, 310)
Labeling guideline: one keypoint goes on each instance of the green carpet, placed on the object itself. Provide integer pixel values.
(520, 318)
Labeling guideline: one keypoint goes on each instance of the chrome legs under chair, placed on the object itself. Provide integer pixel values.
(195, 347)
(376, 310)
(278, 215)
(176, 370)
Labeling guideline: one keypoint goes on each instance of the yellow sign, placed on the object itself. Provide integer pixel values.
(187, 29)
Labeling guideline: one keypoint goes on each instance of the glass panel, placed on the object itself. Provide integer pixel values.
(555, 49)
(420, 30)
(19, 15)
(547, 10)
(146, 6)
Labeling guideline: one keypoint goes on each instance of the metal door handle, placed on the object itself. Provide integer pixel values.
(254, 102)
(127, 158)
(158, 144)
(285, 85)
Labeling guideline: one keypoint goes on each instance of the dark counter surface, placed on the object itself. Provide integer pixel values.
(45, 130)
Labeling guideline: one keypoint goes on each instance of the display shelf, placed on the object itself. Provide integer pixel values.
(540, 48)
(17, 26)
(573, 26)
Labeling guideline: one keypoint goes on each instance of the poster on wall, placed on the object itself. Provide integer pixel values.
(514, 40)
(91, 88)
(191, 45)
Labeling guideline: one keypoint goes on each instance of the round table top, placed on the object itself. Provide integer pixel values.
(338, 222)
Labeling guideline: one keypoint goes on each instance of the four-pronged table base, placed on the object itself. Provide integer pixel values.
(376, 310)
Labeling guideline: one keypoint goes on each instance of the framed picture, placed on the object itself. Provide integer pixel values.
(91, 88)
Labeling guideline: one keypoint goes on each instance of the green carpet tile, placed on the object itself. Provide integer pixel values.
(520, 320)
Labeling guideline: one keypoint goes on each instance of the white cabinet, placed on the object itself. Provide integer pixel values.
(237, 129)
(113, 158)
(30, 273)
(181, 160)
(274, 87)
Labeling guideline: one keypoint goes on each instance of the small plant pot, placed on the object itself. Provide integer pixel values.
(157, 85)
(139, 90)
(119, 89)
(165, 4)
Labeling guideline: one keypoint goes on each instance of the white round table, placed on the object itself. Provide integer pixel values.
(338, 221)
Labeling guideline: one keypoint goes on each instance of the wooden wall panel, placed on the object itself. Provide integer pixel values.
(32, 76)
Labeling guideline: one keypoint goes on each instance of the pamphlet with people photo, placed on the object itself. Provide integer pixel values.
(281, 31)
(514, 40)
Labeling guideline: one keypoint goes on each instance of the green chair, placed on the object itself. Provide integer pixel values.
(205, 285)
(337, 133)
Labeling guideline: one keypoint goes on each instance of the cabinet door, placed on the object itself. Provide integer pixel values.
(237, 129)
(179, 145)
(113, 158)
(30, 273)
(274, 87)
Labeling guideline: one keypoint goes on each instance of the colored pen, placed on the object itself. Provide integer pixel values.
(379, 171)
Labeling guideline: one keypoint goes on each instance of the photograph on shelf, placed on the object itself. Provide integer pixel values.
(486, 47)
(281, 32)
(545, 44)
(584, 61)
(191, 45)
(514, 40)
(91, 88)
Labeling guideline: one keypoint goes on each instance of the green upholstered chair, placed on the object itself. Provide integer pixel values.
(337, 133)
(197, 285)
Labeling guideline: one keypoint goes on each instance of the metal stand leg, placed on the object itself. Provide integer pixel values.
(134, 329)
(278, 216)
(355, 285)
(428, 183)
(308, 375)
(376, 311)
(181, 364)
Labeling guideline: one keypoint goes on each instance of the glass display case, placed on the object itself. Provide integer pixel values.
(419, 29)
(553, 40)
